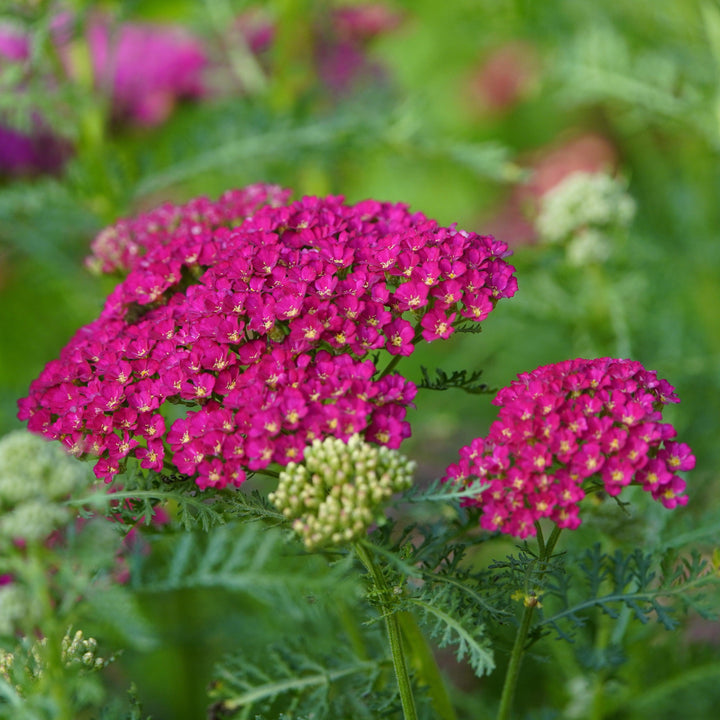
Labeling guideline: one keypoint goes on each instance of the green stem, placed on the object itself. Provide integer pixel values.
(426, 667)
(393, 629)
(513, 671)
(267, 472)
(597, 705)
(391, 366)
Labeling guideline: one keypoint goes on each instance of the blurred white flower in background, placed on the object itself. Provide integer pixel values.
(585, 212)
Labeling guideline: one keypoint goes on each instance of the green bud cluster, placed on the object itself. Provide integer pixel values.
(337, 492)
(76, 651)
(36, 476)
(79, 650)
(6, 663)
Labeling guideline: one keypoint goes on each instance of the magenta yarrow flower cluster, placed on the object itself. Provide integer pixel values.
(564, 426)
(262, 329)
(122, 246)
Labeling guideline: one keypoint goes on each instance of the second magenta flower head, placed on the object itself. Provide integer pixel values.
(564, 427)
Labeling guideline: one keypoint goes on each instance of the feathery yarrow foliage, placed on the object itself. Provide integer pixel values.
(259, 318)
(564, 427)
(339, 489)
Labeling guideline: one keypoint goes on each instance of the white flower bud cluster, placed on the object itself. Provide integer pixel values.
(35, 477)
(33, 521)
(79, 650)
(584, 210)
(338, 490)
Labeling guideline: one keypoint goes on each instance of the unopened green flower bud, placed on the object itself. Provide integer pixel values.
(79, 650)
(343, 486)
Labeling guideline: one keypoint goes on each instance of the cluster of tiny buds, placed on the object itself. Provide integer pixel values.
(13, 606)
(337, 492)
(76, 649)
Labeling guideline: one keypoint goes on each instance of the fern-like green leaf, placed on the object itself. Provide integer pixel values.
(239, 558)
(439, 491)
(652, 587)
(461, 628)
(462, 379)
(298, 680)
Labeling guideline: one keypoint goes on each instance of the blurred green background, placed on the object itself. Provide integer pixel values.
(471, 112)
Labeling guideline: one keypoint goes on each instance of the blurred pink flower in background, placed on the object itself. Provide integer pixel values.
(145, 68)
(13, 44)
(505, 77)
(28, 154)
(25, 153)
(590, 153)
(341, 46)
(257, 29)
(360, 23)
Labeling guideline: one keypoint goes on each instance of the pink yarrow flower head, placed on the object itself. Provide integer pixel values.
(257, 318)
(120, 247)
(568, 427)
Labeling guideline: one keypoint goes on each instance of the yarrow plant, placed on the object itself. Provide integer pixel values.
(569, 427)
(259, 318)
(255, 336)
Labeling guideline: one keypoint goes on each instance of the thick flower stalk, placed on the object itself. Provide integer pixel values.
(339, 489)
(565, 427)
(261, 327)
